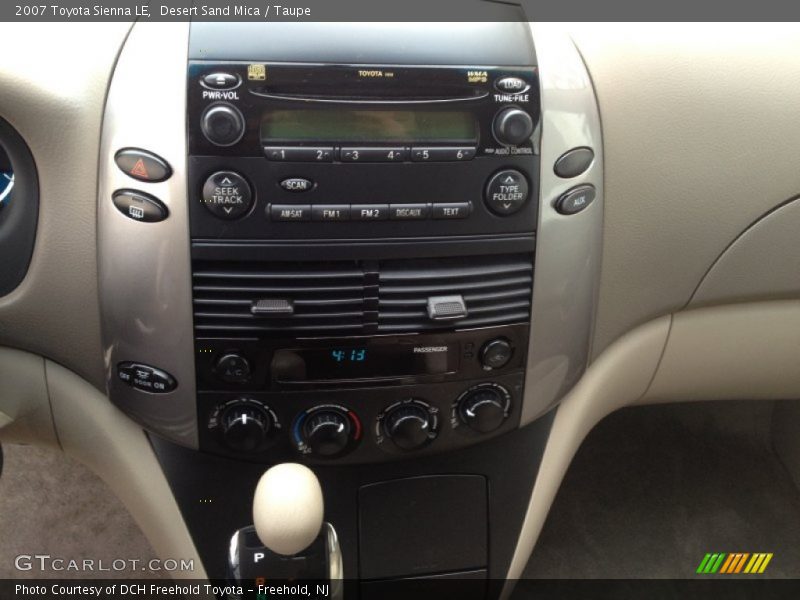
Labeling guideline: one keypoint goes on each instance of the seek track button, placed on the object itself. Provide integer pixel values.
(227, 195)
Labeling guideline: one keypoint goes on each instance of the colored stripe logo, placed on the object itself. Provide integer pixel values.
(734, 563)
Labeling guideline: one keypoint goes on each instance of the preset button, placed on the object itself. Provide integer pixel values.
(299, 153)
(394, 154)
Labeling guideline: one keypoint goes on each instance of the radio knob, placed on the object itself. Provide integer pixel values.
(408, 426)
(513, 126)
(222, 124)
(327, 432)
(246, 426)
(483, 409)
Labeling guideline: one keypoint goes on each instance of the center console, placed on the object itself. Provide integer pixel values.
(363, 241)
(326, 246)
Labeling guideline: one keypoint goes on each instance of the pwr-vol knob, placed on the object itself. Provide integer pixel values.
(222, 124)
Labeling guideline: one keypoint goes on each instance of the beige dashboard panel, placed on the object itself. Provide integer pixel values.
(53, 80)
(700, 134)
(24, 405)
(763, 263)
(737, 352)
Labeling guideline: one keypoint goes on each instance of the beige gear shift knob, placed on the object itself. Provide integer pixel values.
(288, 508)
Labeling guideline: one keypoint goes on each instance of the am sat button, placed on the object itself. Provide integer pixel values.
(140, 206)
(575, 200)
(297, 184)
(290, 212)
(142, 165)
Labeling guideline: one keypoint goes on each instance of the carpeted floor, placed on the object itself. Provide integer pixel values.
(653, 489)
(52, 505)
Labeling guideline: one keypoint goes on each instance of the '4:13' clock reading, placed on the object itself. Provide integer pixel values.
(349, 355)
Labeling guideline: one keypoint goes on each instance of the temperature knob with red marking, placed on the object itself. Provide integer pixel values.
(326, 431)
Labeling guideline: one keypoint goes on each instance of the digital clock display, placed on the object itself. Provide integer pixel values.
(349, 355)
(377, 360)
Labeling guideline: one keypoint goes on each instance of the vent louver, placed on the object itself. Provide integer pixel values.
(326, 298)
(267, 299)
(495, 289)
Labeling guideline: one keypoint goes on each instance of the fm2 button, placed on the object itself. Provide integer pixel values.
(227, 195)
(507, 192)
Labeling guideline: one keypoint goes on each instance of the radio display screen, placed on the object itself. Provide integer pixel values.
(362, 362)
(369, 125)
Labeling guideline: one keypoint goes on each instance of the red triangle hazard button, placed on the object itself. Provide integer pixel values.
(139, 170)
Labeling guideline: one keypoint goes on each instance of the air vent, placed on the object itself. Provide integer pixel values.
(351, 298)
(495, 289)
(317, 298)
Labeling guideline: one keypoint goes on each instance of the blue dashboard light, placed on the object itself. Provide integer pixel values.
(6, 185)
(349, 355)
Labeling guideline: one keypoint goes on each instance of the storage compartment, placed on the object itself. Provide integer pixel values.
(423, 526)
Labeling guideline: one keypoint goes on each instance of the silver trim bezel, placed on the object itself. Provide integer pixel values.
(568, 247)
(145, 268)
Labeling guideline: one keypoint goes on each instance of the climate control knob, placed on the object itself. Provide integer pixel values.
(484, 407)
(513, 126)
(222, 124)
(326, 432)
(246, 425)
(410, 425)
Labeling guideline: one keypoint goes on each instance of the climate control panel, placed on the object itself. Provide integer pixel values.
(359, 425)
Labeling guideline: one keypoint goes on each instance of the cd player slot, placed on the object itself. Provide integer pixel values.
(370, 96)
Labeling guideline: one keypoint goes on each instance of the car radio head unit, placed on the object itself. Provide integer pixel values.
(360, 150)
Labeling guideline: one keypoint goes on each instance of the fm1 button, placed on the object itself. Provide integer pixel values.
(507, 192)
(233, 368)
(227, 195)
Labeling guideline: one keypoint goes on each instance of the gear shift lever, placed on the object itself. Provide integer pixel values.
(288, 540)
(287, 508)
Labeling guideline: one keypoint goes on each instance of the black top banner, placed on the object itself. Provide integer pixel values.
(396, 10)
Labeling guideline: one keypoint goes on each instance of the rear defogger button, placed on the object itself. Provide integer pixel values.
(227, 195)
(507, 192)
